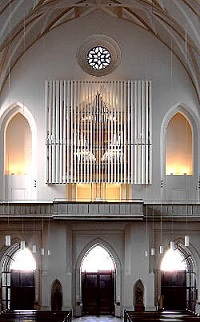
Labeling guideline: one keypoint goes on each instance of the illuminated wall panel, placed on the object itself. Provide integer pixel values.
(179, 150)
(18, 146)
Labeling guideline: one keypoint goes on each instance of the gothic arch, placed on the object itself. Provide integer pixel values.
(5, 116)
(13, 109)
(104, 244)
(114, 256)
(192, 119)
(138, 295)
(56, 296)
(191, 256)
(188, 253)
(6, 258)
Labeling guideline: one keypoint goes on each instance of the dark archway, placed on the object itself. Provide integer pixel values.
(178, 280)
(17, 278)
(98, 282)
(22, 290)
(56, 296)
(139, 296)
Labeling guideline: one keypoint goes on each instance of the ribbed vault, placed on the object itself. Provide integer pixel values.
(176, 23)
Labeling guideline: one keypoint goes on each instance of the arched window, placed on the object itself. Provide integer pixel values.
(97, 259)
(179, 142)
(23, 260)
(17, 146)
(173, 261)
(18, 279)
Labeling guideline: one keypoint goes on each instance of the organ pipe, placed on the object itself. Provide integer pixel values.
(98, 132)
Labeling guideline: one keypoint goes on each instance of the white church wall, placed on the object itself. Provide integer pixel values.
(69, 243)
(56, 264)
(127, 242)
(138, 265)
(54, 57)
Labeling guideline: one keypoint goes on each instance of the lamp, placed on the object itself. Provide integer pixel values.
(172, 245)
(187, 240)
(22, 244)
(152, 251)
(161, 249)
(7, 240)
(34, 249)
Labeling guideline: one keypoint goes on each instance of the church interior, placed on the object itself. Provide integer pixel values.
(100, 156)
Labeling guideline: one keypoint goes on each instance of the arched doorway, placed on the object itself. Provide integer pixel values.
(56, 296)
(18, 279)
(178, 279)
(98, 282)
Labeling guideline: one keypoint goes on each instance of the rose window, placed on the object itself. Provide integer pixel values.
(99, 57)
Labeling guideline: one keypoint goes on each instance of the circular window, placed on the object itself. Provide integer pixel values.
(98, 55)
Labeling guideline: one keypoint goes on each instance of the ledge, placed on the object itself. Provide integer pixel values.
(99, 210)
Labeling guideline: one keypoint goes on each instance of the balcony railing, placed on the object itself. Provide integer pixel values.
(25, 209)
(127, 210)
(172, 210)
(99, 210)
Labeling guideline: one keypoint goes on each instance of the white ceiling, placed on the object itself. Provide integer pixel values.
(176, 23)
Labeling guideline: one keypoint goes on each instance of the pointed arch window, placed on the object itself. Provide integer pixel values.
(179, 146)
(173, 261)
(17, 146)
(97, 259)
(23, 260)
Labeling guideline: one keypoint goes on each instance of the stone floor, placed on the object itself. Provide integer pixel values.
(93, 318)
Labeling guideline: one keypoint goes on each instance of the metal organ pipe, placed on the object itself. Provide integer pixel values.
(53, 165)
(64, 147)
(57, 134)
(60, 139)
(67, 108)
(47, 128)
(98, 132)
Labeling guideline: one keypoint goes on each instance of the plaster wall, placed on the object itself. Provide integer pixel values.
(69, 244)
(143, 57)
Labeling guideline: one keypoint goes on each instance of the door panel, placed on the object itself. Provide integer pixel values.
(98, 293)
(89, 288)
(22, 290)
(106, 293)
(174, 290)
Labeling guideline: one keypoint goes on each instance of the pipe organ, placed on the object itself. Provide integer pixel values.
(98, 132)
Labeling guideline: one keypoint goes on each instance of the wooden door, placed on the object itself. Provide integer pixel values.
(98, 293)
(174, 290)
(22, 290)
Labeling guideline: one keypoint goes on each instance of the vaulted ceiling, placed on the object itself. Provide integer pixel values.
(176, 23)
